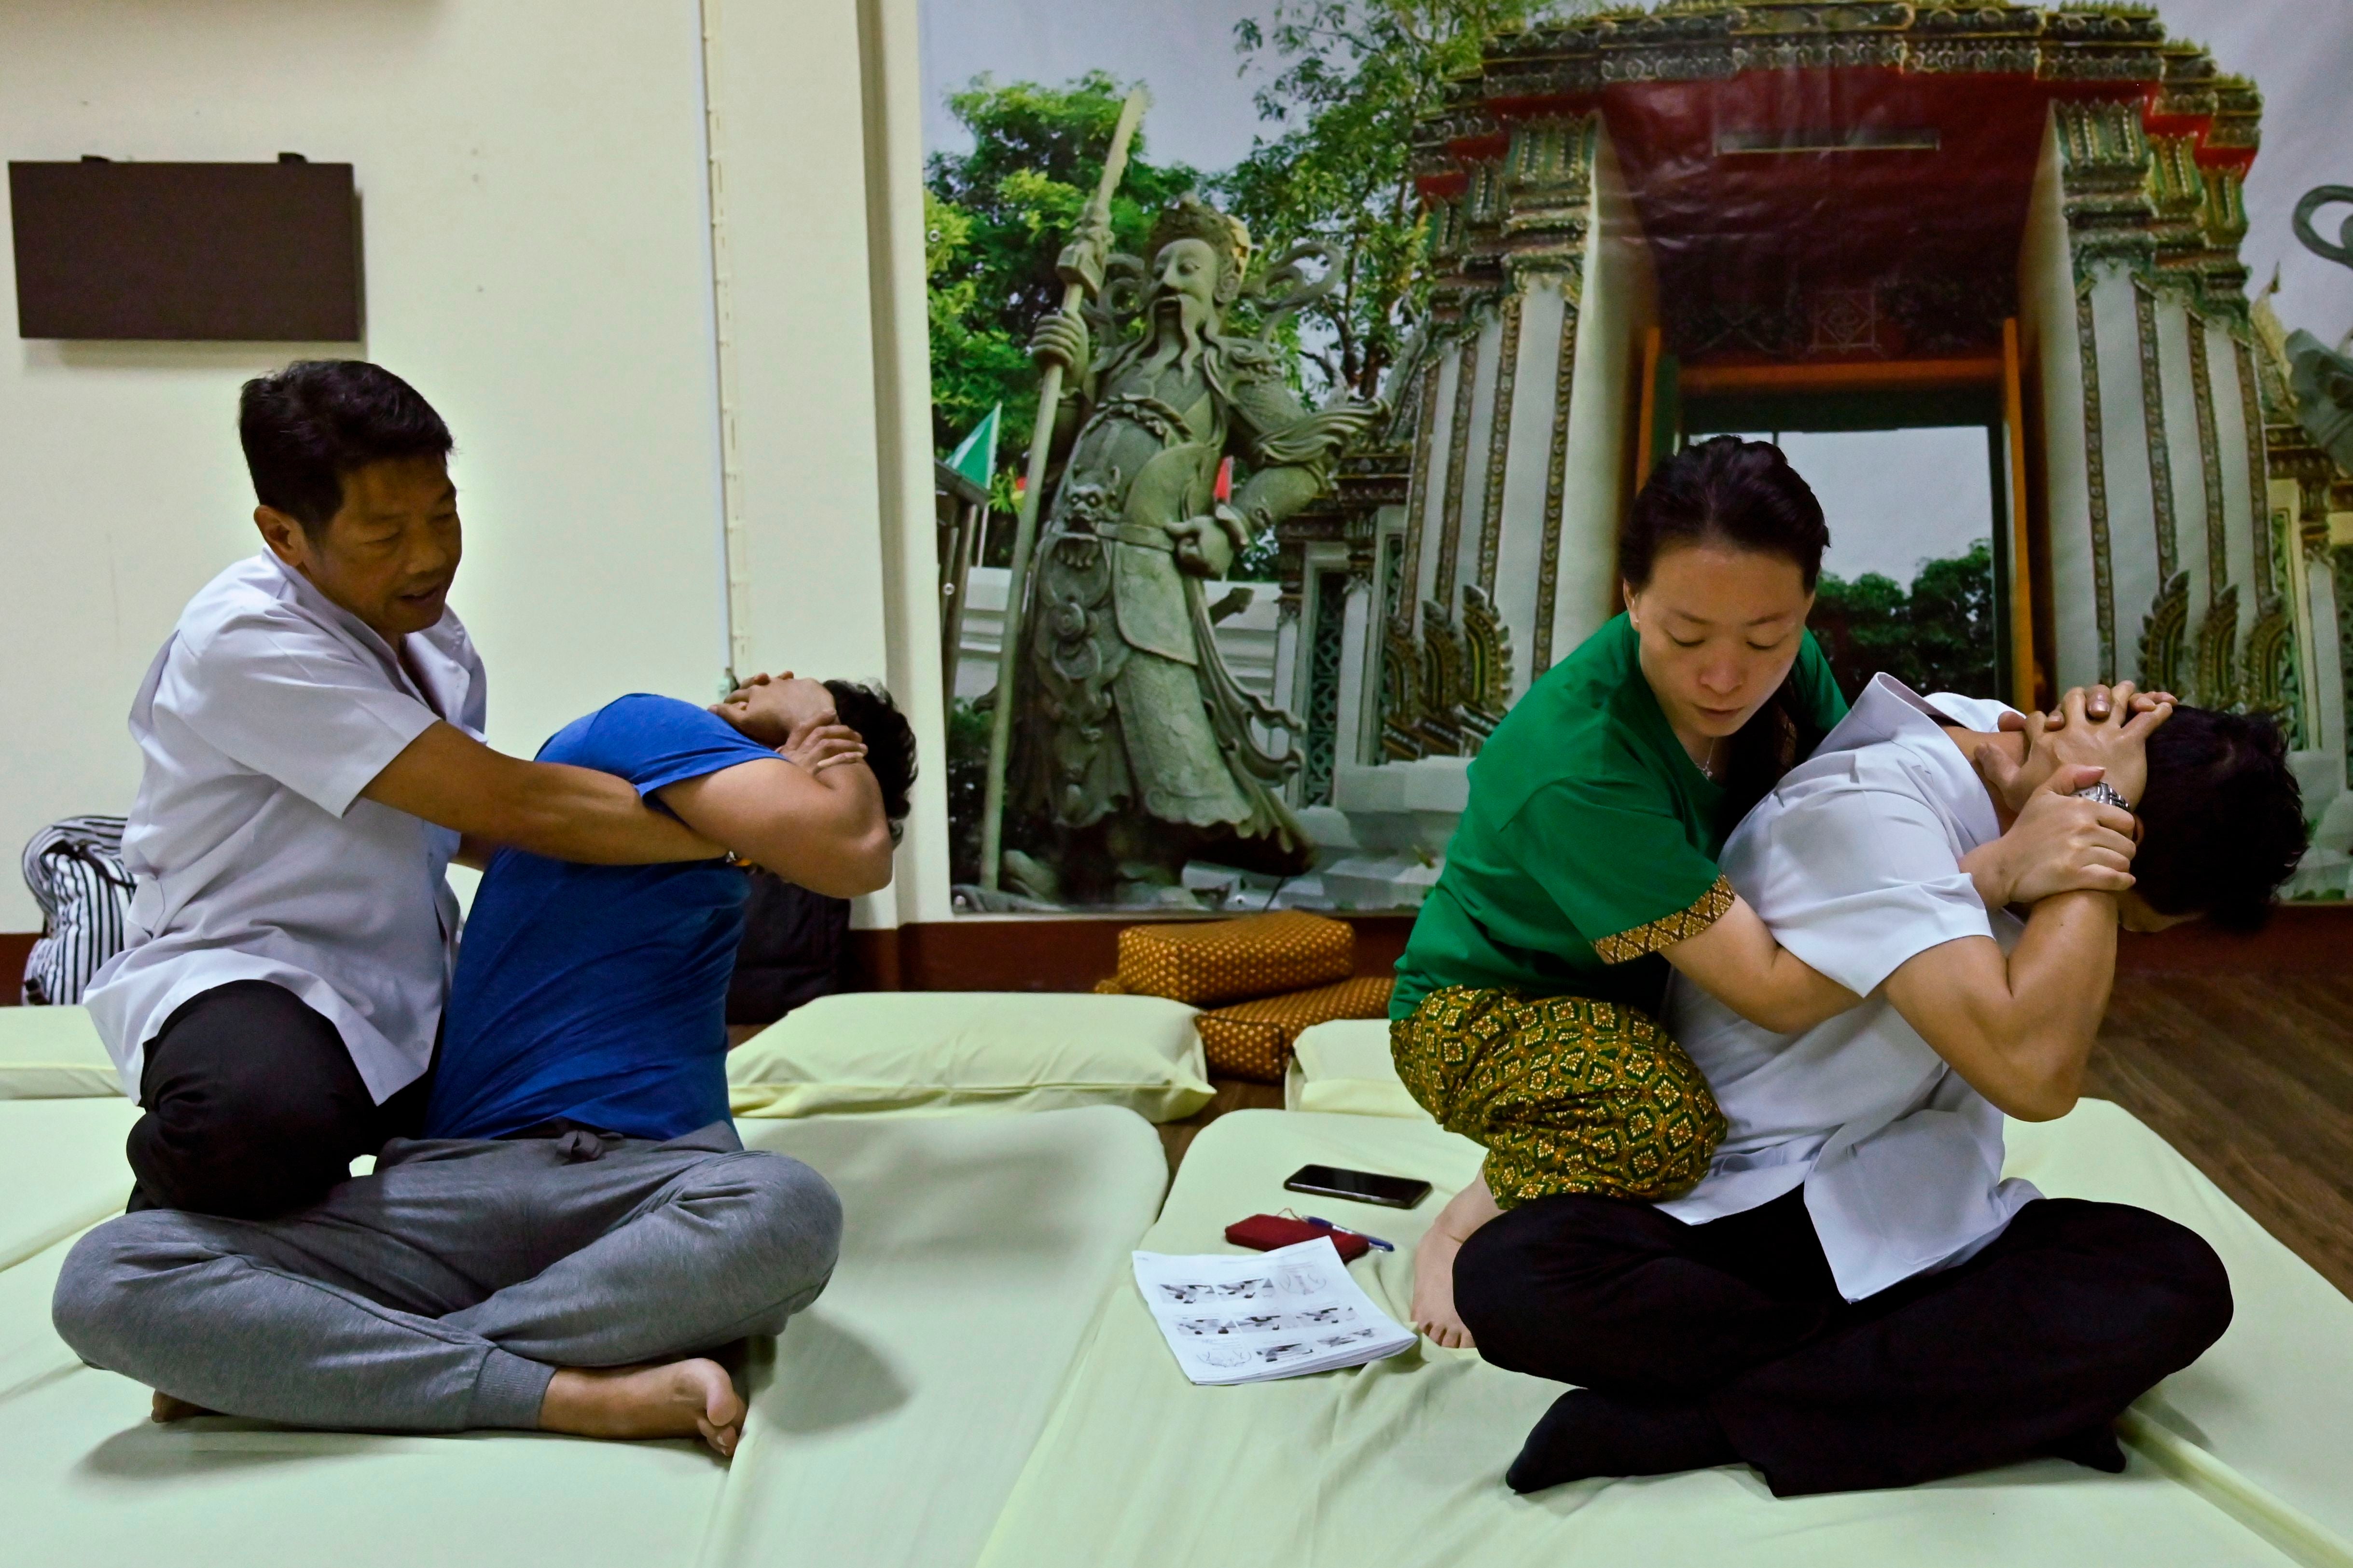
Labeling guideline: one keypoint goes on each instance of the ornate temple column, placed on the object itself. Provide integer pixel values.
(1513, 499)
(1589, 445)
(2336, 605)
(1288, 689)
(2054, 329)
(2162, 561)
(2126, 534)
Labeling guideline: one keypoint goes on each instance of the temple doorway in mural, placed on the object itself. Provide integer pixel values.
(1918, 465)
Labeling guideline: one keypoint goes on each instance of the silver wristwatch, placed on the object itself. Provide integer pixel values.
(2105, 794)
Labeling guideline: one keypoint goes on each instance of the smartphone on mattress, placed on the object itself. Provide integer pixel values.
(1357, 1186)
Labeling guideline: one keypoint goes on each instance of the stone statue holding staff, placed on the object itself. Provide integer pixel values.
(1135, 750)
(2322, 378)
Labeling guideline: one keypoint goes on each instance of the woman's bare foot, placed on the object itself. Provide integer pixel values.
(678, 1399)
(1433, 1291)
(167, 1409)
(1433, 1263)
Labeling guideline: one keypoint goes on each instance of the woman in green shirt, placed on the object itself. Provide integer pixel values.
(1585, 861)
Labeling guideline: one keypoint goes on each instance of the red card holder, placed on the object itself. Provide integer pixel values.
(1265, 1232)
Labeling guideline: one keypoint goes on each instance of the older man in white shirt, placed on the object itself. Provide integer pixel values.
(1853, 1297)
(313, 760)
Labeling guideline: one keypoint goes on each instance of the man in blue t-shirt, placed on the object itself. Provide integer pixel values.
(581, 1223)
(595, 996)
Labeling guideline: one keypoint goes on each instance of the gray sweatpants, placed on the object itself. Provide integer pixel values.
(443, 1292)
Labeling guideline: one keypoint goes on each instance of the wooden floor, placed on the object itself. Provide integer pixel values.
(1233, 1094)
(2250, 1076)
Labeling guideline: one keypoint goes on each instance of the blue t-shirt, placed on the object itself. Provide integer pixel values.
(598, 994)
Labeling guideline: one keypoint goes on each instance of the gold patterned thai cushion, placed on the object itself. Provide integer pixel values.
(1566, 1094)
(1253, 1040)
(1204, 962)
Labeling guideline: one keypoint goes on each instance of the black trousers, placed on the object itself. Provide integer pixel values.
(2072, 1312)
(254, 1108)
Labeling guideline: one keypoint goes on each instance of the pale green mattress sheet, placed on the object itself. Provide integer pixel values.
(53, 1053)
(61, 1170)
(887, 1430)
(1400, 1463)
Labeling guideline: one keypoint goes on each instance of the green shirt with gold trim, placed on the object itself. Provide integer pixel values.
(1590, 840)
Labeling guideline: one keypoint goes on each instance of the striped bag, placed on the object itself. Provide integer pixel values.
(75, 871)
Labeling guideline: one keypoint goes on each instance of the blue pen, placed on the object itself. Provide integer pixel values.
(1369, 1240)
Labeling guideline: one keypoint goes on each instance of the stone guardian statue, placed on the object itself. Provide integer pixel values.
(2322, 378)
(1135, 748)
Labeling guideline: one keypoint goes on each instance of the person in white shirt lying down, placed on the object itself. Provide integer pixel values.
(1852, 1297)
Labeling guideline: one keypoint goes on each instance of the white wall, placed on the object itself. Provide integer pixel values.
(534, 183)
(830, 392)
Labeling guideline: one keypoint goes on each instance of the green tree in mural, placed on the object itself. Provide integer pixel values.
(996, 219)
(1346, 80)
(1939, 637)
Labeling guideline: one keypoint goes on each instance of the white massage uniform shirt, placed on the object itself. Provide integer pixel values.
(265, 714)
(1854, 860)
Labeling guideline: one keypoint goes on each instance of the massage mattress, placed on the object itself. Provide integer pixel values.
(886, 1428)
(1400, 1463)
(62, 1171)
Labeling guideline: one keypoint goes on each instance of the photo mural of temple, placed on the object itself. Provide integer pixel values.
(1814, 216)
(1649, 227)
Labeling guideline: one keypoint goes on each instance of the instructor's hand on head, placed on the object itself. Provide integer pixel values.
(2096, 727)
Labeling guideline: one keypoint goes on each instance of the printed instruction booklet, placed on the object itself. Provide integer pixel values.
(1266, 1315)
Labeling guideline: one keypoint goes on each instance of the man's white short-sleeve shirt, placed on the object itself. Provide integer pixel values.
(1855, 862)
(266, 713)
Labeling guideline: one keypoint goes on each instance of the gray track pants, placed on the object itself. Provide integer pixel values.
(443, 1292)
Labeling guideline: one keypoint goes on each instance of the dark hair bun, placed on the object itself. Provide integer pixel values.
(1743, 493)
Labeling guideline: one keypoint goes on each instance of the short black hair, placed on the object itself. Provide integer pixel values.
(890, 741)
(2222, 819)
(304, 427)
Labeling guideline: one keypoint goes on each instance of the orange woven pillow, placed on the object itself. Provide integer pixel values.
(1253, 1040)
(1208, 962)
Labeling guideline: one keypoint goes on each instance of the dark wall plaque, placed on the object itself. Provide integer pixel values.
(208, 251)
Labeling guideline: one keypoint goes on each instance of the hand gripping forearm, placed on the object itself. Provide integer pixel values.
(452, 780)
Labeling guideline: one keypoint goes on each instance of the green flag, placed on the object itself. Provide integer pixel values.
(976, 455)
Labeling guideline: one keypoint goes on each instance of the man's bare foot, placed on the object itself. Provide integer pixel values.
(1433, 1289)
(678, 1399)
(168, 1409)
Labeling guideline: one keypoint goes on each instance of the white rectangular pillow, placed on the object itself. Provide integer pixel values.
(53, 1053)
(1346, 1067)
(973, 1050)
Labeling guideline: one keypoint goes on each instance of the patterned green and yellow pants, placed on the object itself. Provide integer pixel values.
(1565, 1094)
